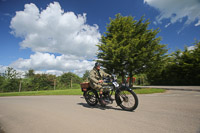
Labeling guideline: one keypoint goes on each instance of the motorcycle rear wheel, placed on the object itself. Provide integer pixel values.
(91, 97)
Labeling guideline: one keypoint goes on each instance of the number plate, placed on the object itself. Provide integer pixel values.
(116, 84)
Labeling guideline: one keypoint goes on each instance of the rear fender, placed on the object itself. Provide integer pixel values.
(85, 92)
(86, 89)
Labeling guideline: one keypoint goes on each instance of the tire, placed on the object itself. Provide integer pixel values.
(127, 99)
(91, 97)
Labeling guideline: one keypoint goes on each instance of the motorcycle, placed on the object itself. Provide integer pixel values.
(125, 97)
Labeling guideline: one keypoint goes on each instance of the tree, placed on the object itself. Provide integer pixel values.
(30, 73)
(69, 77)
(187, 66)
(129, 47)
(2, 80)
(182, 68)
(86, 75)
(195, 55)
(12, 80)
(11, 73)
(43, 81)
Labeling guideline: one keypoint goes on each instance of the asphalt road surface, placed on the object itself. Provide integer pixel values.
(170, 112)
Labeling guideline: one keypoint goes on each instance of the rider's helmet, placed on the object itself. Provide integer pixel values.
(97, 64)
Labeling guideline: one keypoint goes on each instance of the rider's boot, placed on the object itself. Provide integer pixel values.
(108, 96)
(101, 100)
(111, 99)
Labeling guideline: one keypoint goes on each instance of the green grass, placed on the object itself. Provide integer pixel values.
(149, 91)
(72, 92)
(48, 92)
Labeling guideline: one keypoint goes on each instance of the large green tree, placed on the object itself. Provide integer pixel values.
(129, 47)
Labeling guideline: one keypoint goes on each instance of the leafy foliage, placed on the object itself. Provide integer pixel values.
(183, 68)
(30, 73)
(10, 82)
(86, 75)
(129, 45)
(11, 73)
(66, 78)
(43, 81)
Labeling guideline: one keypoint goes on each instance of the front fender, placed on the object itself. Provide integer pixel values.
(117, 99)
(124, 88)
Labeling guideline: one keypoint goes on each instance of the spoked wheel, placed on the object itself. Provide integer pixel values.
(129, 100)
(91, 97)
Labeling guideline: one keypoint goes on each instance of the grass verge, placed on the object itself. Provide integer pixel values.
(149, 91)
(73, 92)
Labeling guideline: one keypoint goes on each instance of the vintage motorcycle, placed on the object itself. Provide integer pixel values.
(125, 97)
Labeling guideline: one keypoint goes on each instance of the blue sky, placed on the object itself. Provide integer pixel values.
(60, 36)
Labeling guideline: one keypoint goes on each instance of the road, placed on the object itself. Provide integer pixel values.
(170, 112)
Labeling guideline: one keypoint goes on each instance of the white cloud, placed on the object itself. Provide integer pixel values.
(3, 69)
(191, 48)
(198, 23)
(50, 63)
(167, 25)
(177, 10)
(53, 30)
(53, 72)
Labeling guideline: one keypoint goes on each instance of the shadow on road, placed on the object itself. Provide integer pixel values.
(100, 107)
(1, 129)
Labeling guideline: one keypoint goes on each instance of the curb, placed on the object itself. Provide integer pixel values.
(184, 88)
(181, 89)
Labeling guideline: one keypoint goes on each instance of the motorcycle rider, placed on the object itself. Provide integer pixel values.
(96, 80)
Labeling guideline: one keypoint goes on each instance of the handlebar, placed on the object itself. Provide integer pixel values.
(109, 79)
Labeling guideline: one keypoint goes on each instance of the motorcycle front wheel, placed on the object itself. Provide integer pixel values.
(91, 97)
(127, 100)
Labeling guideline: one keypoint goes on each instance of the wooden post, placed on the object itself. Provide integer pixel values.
(71, 82)
(54, 84)
(20, 85)
(142, 80)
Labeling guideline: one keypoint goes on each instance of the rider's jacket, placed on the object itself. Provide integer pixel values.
(96, 75)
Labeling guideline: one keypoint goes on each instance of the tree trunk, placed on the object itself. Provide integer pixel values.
(131, 79)
(123, 78)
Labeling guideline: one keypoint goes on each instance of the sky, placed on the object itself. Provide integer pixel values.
(61, 36)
